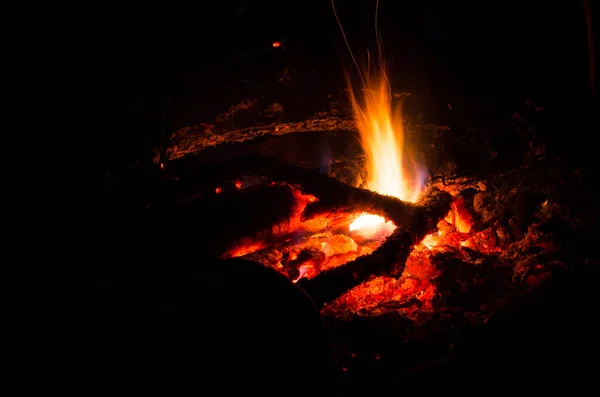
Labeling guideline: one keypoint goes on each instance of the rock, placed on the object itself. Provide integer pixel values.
(480, 201)
(517, 227)
(502, 233)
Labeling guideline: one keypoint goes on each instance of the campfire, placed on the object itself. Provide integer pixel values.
(434, 269)
(406, 246)
(412, 234)
(326, 238)
(253, 209)
(359, 253)
(405, 240)
(396, 244)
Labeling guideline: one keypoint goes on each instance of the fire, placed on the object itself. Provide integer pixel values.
(387, 161)
(372, 226)
(366, 220)
(456, 230)
(318, 243)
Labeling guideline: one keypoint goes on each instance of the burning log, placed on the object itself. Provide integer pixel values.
(333, 195)
(389, 258)
(337, 196)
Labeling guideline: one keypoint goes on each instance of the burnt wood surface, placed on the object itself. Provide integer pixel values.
(228, 220)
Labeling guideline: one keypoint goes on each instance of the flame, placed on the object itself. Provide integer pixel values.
(382, 139)
(389, 168)
(303, 271)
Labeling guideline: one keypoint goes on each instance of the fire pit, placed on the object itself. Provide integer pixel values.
(412, 287)
(409, 248)
(394, 243)
(432, 220)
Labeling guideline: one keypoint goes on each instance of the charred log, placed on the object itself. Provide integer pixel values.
(330, 284)
(389, 258)
(232, 220)
(333, 195)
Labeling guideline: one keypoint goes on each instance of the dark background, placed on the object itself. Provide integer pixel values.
(156, 68)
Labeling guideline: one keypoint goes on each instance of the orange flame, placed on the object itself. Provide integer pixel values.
(382, 132)
(382, 137)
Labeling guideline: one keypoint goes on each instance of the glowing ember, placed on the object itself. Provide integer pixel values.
(419, 270)
(367, 220)
(372, 226)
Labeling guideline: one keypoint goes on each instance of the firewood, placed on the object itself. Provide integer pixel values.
(389, 257)
(332, 194)
(233, 221)
(414, 221)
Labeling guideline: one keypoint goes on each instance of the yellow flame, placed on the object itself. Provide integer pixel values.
(383, 141)
(365, 220)
(382, 138)
(381, 134)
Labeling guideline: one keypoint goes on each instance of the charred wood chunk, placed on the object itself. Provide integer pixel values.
(266, 257)
(431, 208)
(484, 206)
